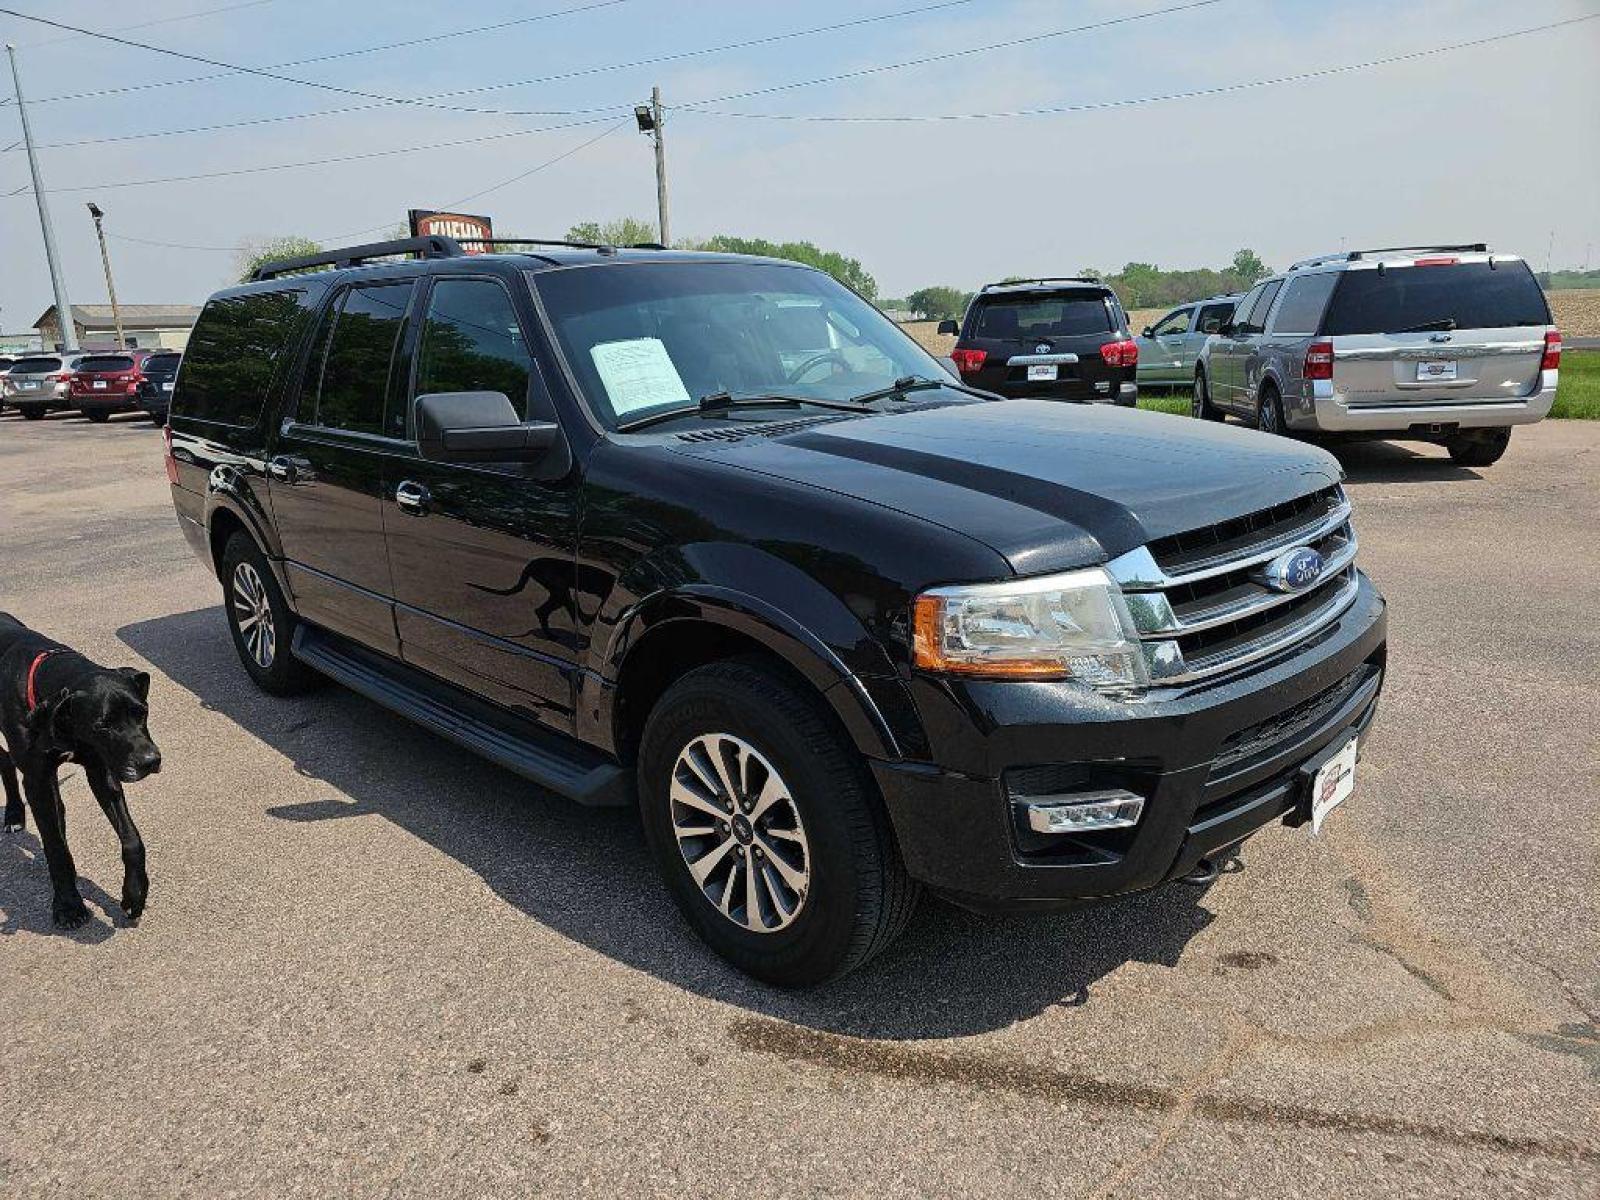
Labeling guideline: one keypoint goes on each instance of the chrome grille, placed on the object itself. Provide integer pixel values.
(1202, 605)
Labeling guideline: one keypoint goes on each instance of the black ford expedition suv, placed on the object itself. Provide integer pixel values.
(1061, 339)
(710, 534)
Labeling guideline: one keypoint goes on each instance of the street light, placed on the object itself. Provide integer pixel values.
(105, 258)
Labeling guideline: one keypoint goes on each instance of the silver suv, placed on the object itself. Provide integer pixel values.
(1448, 344)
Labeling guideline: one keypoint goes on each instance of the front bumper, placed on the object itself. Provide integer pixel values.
(1214, 765)
(1326, 411)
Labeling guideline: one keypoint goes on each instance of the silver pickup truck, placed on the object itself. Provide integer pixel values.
(1449, 344)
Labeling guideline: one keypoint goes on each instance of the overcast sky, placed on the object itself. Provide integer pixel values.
(1500, 141)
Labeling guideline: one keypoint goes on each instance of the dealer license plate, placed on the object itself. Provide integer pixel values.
(166, 387)
(28, 385)
(1436, 370)
(1333, 783)
(1041, 371)
(99, 384)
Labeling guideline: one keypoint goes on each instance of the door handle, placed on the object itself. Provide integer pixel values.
(412, 497)
(285, 469)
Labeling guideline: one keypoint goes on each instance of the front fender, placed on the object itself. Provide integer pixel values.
(812, 630)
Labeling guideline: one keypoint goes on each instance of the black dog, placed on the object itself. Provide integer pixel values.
(55, 707)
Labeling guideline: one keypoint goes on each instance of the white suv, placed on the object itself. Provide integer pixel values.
(1449, 344)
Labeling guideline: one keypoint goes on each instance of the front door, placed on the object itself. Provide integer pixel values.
(1167, 341)
(326, 475)
(483, 554)
(1226, 360)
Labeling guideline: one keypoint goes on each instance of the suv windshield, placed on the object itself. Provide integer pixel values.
(651, 337)
(1467, 295)
(1043, 314)
(32, 366)
(106, 362)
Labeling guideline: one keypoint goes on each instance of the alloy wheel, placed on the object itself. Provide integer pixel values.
(252, 613)
(740, 832)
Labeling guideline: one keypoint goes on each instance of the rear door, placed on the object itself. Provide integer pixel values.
(1442, 330)
(1044, 342)
(326, 473)
(483, 554)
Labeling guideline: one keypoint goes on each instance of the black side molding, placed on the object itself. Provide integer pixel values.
(548, 759)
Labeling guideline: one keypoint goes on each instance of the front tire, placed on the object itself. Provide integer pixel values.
(1479, 449)
(98, 415)
(260, 620)
(31, 412)
(1200, 406)
(765, 826)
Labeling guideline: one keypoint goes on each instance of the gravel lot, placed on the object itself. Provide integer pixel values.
(375, 965)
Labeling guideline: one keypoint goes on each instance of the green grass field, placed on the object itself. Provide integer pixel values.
(1578, 397)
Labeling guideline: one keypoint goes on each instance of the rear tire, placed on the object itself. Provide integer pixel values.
(1200, 406)
(260, 620)
(31, 412)
(842, 893)
(1269, 412)
(1479, 449)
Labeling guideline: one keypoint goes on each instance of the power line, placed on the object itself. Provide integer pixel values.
(560, 76)
(316, 162)
(190, 16)
(335, 55)
(264, 73)
(695, 107)
(338, 237)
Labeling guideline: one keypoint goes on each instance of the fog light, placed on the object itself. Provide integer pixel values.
(1085, 812)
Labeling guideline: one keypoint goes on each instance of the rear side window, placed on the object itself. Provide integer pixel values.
(366, 324)
(234, 354)
(34, 366)
(472, 342)
(1456, 295)
(1303, 303)
(106, 362)
(1072, 314)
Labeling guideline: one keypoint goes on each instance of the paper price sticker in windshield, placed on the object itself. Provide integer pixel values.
(638, 374)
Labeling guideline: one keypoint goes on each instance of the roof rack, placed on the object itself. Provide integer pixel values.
(1357, 255)
(988, 287)
(602, 247)
(432, 246)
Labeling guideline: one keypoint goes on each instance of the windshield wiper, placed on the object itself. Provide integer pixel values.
(1442, 324)
(906, 383)
(713, 402)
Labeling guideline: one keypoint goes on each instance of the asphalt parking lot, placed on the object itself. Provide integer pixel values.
(373, 964)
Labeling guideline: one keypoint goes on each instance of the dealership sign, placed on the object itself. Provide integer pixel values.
(461, 226)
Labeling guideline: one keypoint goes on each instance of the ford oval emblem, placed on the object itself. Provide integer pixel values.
(1293, 570)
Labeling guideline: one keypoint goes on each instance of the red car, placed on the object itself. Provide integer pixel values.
(107, 383)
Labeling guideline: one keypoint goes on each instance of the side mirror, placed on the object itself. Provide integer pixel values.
(1149, 331)
(473, 427)
(1226, 329)
(950, 327)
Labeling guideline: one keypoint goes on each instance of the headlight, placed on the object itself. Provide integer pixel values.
(1070, 626)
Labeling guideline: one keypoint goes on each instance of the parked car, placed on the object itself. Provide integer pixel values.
(159, 371)
(841, 627)
(38, 383)
(1169, 349)
(1447, 344)
(104, 384)
(1062, 339)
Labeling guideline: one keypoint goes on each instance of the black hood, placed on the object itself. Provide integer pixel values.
(1050, 486)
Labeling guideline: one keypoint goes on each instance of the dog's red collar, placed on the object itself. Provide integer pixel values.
(33, 677)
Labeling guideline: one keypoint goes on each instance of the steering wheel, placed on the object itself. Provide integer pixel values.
(816, 360)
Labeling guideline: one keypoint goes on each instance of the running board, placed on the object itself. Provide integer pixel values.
(548, 759)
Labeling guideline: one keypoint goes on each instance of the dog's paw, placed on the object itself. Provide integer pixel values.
(68, 913)
(133, 899)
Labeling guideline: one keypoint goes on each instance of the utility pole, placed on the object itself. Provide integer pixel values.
(650, 119)
(105, 259)
(69, 331)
